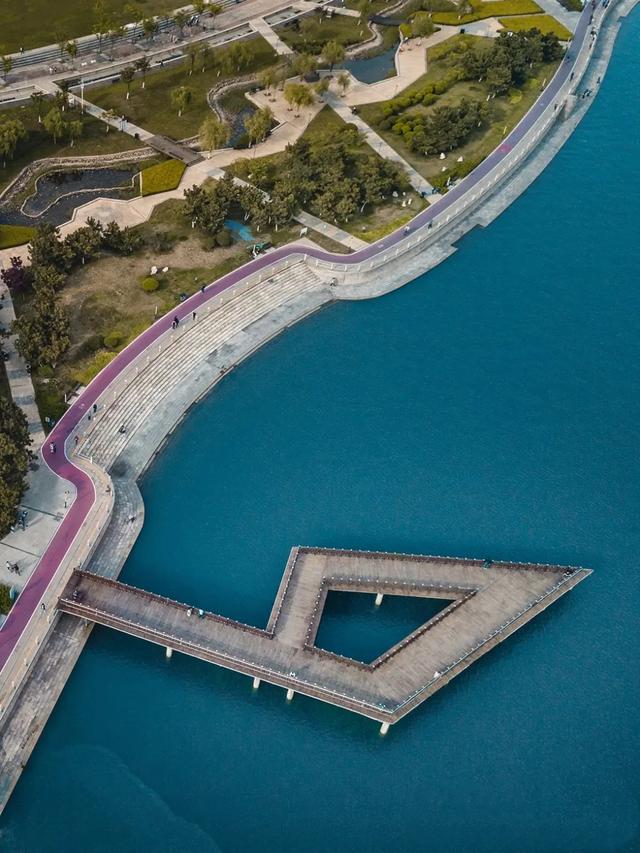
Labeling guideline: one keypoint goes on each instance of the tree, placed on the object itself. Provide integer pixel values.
(149, 28)
(122, 241)
(74, 130)
(107, 117)
(37, 99)
(7, 65)
(180, 19)
(214, 134)
(54, 124)
(126, 75)
(258, 125)
(304, 64)
(47, 249)
(344, 81)
(72, 49)
(114, 34)
(14, 460)
(142, 65)
(321, 87)
(16, 277)
(192, 54)
(333, 53)
(101, 22)
(43, 329)
(267, 79)
(181, 98)
(298, 95)
(11, 132)
(422, 24)
(85, 242)
(499, 78)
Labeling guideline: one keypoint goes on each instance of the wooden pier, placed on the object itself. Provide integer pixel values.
(488, 602)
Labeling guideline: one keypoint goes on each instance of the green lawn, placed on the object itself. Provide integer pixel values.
(39, 144)
(15, 235)
(316, 30)
(161, 177)
(544, 23)
(40, 22)
(506, 111)
(151, 108)
(491, 9)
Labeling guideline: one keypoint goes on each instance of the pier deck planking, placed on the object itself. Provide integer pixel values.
(488, 602)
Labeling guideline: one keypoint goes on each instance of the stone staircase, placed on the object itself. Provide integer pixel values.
(187, 350)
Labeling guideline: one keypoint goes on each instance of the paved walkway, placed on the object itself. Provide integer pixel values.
(332, 231)
(268, 34)
(552, 7)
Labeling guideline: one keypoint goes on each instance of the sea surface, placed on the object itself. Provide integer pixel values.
(490, 408)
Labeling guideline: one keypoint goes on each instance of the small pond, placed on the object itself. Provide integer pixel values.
(239, 230)
(374, 68)
(58, 193)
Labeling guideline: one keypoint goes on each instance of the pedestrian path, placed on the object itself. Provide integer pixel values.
(556, 10)
(260, 26)
(332, 231)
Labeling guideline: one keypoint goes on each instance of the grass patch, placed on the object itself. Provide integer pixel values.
(39, 144)
(311, 35)
(162, 177)
(5, 599)
(492, 9)
(37, 24)
(544, 23)
(384, 220)
(15, 235)
(151, 107)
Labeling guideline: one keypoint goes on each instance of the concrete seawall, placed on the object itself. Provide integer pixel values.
(27, 701)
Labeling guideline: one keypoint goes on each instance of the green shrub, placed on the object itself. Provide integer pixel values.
(162, 177)
(113, 339)
(223, 238)
(15, 235)
(5, 599)
(150, 284)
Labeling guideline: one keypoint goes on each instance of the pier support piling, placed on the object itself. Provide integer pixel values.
(384, 728)
(289, 695)
(168, 652)
(379, 598)
(256, 683)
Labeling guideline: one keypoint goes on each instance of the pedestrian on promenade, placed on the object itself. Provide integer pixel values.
(95, 408)
(176, 320)
(52, 447)
(76, 440)
(202, 288)
(122, 429)
(43, 606)
(194, 315)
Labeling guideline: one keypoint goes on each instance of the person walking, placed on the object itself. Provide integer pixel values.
(52, 447)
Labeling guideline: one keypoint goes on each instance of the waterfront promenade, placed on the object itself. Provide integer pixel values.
(37, 591)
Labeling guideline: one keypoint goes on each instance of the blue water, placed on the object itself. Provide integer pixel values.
(353, 625)
(240, 230)
(375, 67)
(491, 407)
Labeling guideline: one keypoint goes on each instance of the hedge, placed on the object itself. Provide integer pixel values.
(492, 9)
(15, 235)
(5, 599)
(162, 177)
(544, 23)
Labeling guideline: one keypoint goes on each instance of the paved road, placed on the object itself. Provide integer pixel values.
(60, 464)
